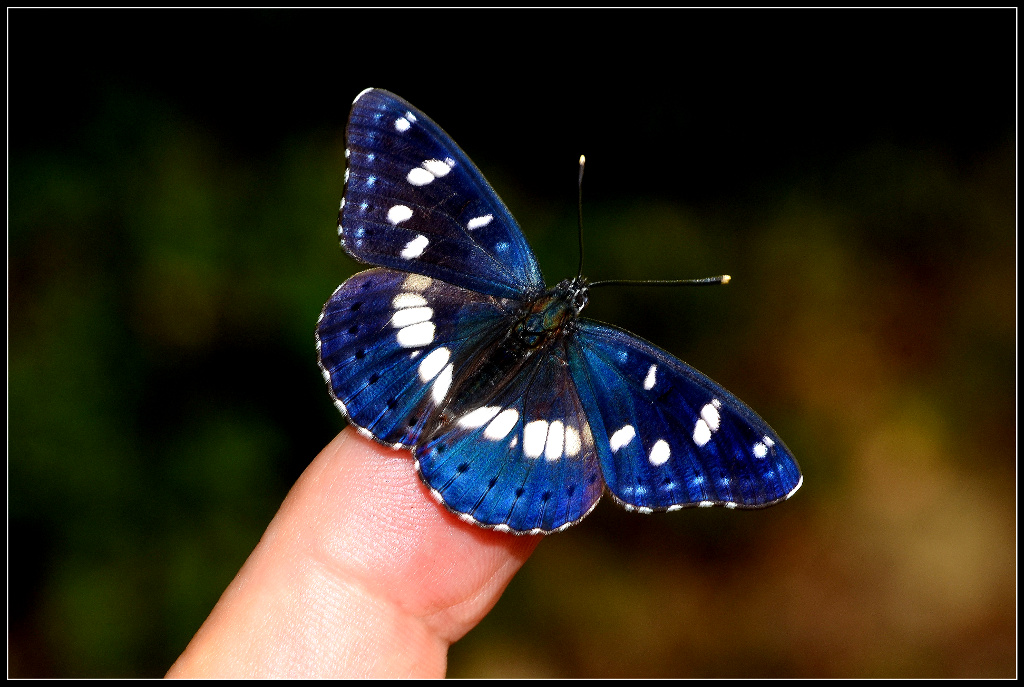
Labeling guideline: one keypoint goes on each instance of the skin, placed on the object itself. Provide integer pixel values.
(360, 574)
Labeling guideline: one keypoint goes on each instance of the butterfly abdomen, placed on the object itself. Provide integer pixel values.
(494, 368)
(538, 326)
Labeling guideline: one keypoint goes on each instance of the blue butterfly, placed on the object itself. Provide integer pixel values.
(519, 413)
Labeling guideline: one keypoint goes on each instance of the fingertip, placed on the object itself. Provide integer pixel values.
(374, 515)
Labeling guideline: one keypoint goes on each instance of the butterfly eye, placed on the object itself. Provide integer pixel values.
(579, 299)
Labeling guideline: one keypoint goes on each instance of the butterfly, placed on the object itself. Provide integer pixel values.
(519, 413)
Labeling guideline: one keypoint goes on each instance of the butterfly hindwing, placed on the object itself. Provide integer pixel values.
(391, 342)
(415, 202)
(667, 435)
(524, 460)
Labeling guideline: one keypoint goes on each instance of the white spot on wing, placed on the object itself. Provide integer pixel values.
(502, 425)
(402, 124)
(659, 453)
(622, 437)
(701, 433)
(416, 335)
(652, 377)
(478, 222)
(760, 450)
(436, 167)
(711, 417)
(534, 436)
(479, 417)
(572, 441)
(408, 300)
(399, 213)
(407, 316)
(415, 248)
(768, 441)
(442, 384)
(417, 282)
(418, 176)
(432, 364)
(556, 441)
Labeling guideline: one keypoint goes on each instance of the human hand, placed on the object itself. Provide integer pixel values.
(360, 574)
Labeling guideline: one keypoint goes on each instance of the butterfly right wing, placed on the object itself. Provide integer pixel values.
(390, 343)
(670, 437)
(415, 202)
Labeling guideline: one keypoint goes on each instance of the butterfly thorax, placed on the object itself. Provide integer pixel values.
(548, 315)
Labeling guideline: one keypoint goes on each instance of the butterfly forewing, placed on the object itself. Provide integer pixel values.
(668, 436)
(390, 344)
(525, 459)
(414, 201)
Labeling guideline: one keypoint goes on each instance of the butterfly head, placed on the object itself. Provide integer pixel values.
(563, 303)
(578, 292)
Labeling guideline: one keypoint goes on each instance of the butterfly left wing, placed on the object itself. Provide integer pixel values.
(415, 202)
(390, 343)
(667, 435)
(522, 461)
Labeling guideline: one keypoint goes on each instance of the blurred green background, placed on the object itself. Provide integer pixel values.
(174, 179)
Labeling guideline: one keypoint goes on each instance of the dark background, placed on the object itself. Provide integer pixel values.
(174, 179)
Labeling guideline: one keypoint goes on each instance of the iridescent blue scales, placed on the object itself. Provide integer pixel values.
(519, 413)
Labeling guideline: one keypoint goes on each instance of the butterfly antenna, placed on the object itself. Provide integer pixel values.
(706, 281)
(579, 214)
(720, 279)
